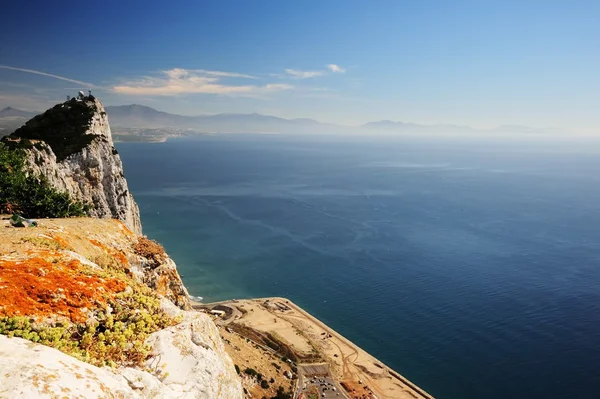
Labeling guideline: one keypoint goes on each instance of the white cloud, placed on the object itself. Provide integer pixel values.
(303, 74)
(214, 73)
(178, 81)
(86, 84)
(297, 74)
(335, 68)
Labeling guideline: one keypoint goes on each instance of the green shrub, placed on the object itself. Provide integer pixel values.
(281, 394)
(250, 371)
(62, 127)
(264, 384)
(28, 195)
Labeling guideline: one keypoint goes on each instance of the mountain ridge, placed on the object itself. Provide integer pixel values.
(8, 112)
(122, 116)
(143, 116)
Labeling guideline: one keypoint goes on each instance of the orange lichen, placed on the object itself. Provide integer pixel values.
(99, 244)
(61, 241)
(149, 249)
(47, 285)
(125, 229)
(118, 255)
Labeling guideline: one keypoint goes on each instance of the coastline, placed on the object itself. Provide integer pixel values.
(349, 365)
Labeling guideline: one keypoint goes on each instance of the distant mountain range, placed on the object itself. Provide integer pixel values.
(141, 116)
(10, 112)
(12, 118)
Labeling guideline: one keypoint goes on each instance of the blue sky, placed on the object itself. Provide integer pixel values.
(479, 63)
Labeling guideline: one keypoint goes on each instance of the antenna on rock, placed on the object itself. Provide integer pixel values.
(90, 92)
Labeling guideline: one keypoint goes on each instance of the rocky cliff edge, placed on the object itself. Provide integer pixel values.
(71, 146)
(89, 309)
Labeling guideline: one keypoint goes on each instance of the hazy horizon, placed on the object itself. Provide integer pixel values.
(347, 63)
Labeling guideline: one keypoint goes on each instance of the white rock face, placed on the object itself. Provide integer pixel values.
(162, 277)
(36, 371)
(188, 362)
(190, 359)
(93, 175)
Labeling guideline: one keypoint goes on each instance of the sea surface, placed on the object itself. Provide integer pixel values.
(471, 266)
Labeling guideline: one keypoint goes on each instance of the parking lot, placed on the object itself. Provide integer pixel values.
(320, 387)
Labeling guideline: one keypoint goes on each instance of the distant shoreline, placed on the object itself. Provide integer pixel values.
(158, 140)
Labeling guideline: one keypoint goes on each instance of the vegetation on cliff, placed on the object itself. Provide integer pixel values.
(97, 312)
(31, 196)
(63, 127)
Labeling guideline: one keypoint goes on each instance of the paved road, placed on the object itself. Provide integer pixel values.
(236, 314)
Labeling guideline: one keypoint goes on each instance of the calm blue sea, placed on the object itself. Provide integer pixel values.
(470, 266)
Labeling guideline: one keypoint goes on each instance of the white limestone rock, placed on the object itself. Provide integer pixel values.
(190, 359)
(30, 370)
(188, 362)
(162, 277)
(94, 173)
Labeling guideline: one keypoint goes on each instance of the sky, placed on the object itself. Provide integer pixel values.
(478, 63)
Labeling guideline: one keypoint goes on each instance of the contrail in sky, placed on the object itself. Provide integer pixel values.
(87, 84)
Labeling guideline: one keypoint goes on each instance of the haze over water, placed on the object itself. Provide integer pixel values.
(469, 266)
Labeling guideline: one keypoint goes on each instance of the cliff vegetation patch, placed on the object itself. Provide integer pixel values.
(149, 249)
(97, 312)
(63, 127)
(29, 195)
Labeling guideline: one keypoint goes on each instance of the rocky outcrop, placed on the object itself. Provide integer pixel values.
(188, 361)
(31, 370)
(90, 308)
(71, 145)
(67, 276)
(85, 242)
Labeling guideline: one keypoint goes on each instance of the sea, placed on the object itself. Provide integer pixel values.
(469, 265)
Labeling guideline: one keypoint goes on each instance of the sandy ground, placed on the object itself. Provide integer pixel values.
(262, 319)
(71, 233)
(347, 361)
(247, 355)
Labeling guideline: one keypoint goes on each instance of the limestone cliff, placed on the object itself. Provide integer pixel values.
(113, 304)
(90, 308)
(71, 145)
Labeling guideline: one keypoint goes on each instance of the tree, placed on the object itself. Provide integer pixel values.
(281, 394)
(250, 371)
